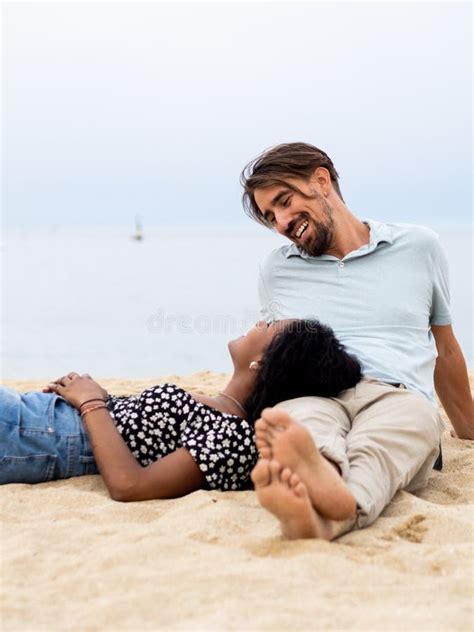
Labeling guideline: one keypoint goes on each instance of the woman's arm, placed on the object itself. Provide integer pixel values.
(172, 476)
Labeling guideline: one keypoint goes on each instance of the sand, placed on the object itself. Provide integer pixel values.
(73, 559)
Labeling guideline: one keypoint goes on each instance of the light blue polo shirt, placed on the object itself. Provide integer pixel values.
(380, 299)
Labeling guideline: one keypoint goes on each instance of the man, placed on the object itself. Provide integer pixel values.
(329, 465)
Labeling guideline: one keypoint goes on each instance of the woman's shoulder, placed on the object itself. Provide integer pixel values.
(207, 403)
(171, 395)
(175, 398)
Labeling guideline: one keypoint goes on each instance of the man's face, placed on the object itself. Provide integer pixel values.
(306, 222)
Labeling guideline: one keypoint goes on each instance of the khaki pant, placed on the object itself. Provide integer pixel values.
(383, 438)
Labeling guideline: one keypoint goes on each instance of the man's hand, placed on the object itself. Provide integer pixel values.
(76, 389)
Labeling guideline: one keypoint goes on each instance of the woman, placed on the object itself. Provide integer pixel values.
(167, 442)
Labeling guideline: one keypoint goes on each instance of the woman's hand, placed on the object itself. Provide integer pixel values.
(76, 389)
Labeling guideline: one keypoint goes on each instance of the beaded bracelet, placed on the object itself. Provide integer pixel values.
(89, 410)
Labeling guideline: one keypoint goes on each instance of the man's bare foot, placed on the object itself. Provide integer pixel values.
(281, 492)
(289, 443)
(263, 446)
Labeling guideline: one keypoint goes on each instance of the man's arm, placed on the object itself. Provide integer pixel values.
(452, 381)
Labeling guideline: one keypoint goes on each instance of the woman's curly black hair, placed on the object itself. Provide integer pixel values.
(305, 358)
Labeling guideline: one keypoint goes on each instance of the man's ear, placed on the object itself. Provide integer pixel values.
(322, 178)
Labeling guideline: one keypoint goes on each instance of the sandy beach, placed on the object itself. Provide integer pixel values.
(73, 559)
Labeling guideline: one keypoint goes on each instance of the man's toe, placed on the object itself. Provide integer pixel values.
(261, 475)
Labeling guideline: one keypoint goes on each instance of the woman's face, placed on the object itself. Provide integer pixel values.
(250, 347)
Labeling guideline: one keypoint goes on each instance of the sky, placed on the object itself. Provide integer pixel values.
(116, 109)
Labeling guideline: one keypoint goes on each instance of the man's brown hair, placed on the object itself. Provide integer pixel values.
(290, 160)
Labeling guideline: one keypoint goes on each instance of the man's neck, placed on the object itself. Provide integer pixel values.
(351, 234)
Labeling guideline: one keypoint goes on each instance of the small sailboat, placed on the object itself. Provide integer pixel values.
(138, 234)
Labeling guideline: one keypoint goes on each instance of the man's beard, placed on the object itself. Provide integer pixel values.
(323, 231)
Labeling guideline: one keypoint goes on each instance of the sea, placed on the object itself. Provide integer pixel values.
(95, 300)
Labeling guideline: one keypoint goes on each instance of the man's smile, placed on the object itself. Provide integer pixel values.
(302, 229)
(297, 229)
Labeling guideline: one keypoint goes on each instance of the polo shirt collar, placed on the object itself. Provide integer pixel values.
(379, 233)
